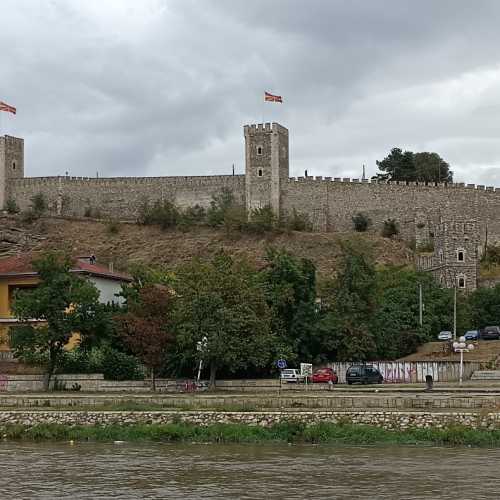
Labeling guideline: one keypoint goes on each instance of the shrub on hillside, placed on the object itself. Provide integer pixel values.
(390, 228)
(164, 213)
(11, 206)
(39, 204)
(262, 220)
(298, 221)
(361, 222)
(235, 219)
(492, 255)
(192, 216)
(221, 203)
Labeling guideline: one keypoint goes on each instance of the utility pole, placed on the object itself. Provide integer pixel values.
(455, 313)
(421, 305)
(364, 173)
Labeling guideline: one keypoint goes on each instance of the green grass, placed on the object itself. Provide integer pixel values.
(288, 432)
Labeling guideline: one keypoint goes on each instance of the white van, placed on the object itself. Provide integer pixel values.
(291, 375)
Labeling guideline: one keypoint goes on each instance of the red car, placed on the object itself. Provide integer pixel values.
(324, 375)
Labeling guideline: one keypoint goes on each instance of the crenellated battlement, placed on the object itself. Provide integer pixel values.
(261, 128)
(348, 180)
(177, 180)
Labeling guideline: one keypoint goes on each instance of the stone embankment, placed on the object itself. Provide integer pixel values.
(389, 420)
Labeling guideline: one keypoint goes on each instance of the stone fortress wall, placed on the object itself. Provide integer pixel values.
(121, 197)
(330, 203)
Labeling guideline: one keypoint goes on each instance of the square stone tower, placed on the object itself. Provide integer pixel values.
(11, 163)
(455, 258)
(266, 165)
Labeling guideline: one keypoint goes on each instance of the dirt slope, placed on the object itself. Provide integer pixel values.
(484, 351)
(149, 244)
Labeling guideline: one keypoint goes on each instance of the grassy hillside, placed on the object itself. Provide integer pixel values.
(132, 243)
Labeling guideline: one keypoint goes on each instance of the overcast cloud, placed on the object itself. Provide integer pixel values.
(163, 87)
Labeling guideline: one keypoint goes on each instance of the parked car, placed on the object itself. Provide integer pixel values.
(324, 375)
(445, 335)
(363, 374)
(471, 335)
(490, 333)
(291, 375)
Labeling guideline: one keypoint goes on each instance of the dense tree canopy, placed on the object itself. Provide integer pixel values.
(409, 166)
(147, 326)
(224, 301)
(65, 302)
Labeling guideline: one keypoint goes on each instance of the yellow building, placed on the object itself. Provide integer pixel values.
(17, 273)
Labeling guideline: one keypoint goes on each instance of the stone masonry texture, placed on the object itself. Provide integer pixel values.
(390, 420)
(329, 203)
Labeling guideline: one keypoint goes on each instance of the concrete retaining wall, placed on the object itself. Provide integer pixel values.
(388, 420)
(401, 372)
(33, 383)
(331, 401)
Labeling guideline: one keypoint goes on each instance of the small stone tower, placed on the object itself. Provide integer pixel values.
(11, 164)
(266, 165)
(455, 259)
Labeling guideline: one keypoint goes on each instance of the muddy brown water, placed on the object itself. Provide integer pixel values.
(197, 471)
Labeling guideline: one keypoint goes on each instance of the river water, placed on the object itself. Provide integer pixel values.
(195, 471)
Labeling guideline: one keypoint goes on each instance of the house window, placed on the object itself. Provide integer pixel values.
(461, 282)
(441, 256)
(13, 165)
(260, 172)
(460, 255)
(259, 150)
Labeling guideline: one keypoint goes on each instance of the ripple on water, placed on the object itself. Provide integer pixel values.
(131, 471)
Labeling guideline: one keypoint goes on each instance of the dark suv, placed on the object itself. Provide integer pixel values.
(490, 333)
(363, 374)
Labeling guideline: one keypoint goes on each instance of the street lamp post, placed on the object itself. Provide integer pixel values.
(462, 347)
(201, 345)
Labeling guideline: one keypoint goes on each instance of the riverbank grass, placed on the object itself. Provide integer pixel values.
(291, 432)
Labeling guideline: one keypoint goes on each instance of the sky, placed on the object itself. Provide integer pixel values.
(164, 87)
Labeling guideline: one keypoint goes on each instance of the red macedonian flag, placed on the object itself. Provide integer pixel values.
(6, 107)
(272, 98)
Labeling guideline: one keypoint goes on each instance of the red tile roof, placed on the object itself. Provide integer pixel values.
(17, 264)
(22, 265)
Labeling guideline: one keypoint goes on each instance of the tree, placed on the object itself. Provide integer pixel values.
(146, 327)
(223, 301)
(430, 167)
(349, 303)
(395, 322)
(409, 166)
(485, 307)
(398, 166)
(290, 285)
(63, 301)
